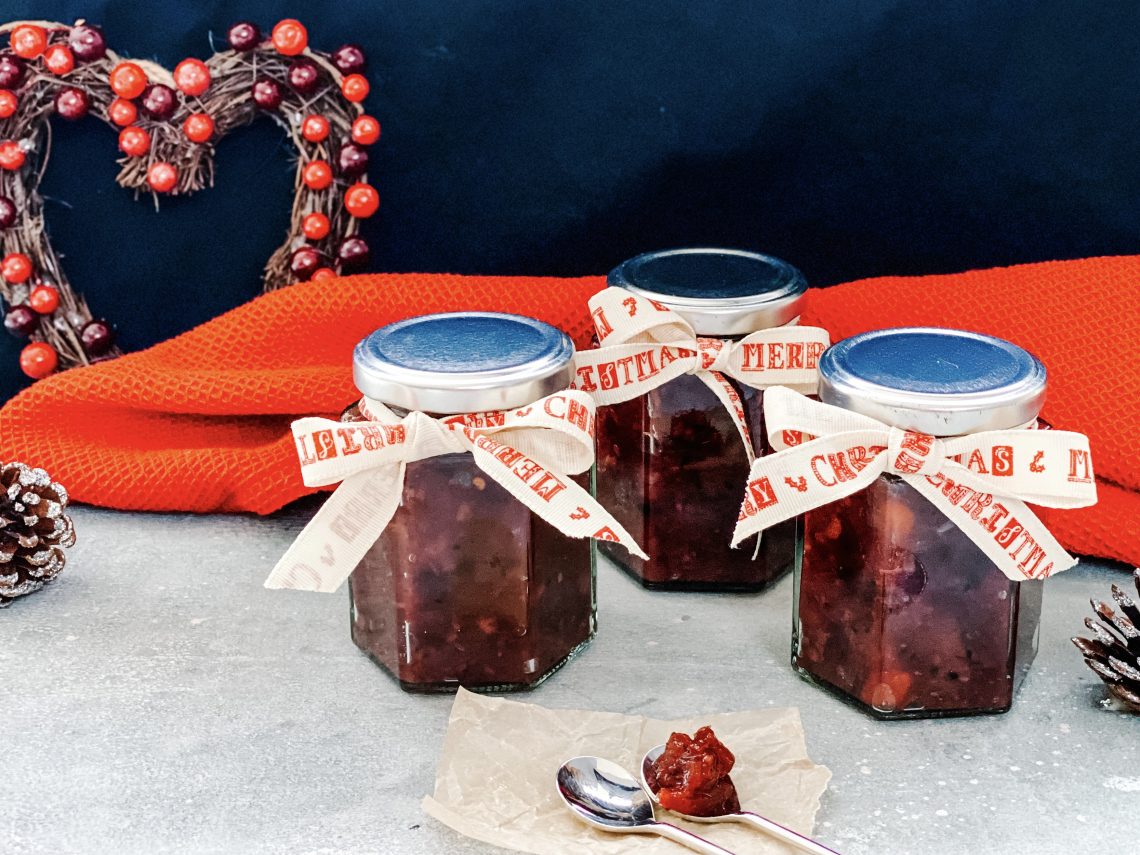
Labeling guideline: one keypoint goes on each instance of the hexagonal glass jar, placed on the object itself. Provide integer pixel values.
(669, 462)
(466, 586)
(895, 608)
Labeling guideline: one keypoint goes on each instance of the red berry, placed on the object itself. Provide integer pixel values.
(128, 80)
(71, 103)
(11, 71)
(290, 37)
(353, 253)
(317, 175)
(315, 226)
(11, 155)
(304, 76)
(305, 262)
(97, 337)
(122, 112)
(21, 321)
(16, 268)
(58, 59)
(159, 101)
(315, 128)
(28, 41)
(244, 36)
(365, 130)
(349, 59)
(198, 127)
(38, 359)
(361, 200)
(87, 43)
(352, 160)
(267, 94)
(354, 87)
(7, 212)
(134, 141)
(322, 273)
(192, 76)
(44, 299)
(8, 103)
(162, 176)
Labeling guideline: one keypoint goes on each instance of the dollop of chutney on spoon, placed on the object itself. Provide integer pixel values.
(691, 775)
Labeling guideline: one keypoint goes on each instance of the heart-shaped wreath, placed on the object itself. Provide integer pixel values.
(168, 125)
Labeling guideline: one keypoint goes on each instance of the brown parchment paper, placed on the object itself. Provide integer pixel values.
(496, 776)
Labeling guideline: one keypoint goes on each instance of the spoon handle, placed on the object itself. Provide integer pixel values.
(778, 831)
(687, 838)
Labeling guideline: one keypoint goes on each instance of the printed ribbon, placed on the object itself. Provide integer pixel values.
(529, 451)
(644, 344)
(980, 481)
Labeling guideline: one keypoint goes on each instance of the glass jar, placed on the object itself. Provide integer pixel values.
(466, 586)
(669, 460)
(895, 607)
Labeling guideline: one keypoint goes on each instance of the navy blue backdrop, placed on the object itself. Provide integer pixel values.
(853, 138)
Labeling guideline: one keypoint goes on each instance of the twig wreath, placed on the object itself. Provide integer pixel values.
(168, 124)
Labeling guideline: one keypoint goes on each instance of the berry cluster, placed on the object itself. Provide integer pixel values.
(306, 77)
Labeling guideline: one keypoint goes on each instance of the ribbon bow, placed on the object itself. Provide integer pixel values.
(645, 345)
(980, 481)
(529, 451)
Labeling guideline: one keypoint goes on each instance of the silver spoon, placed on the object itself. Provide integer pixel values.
(604, 795)
(745, 817)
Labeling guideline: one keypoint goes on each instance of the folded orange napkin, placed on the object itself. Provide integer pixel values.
(201, 422)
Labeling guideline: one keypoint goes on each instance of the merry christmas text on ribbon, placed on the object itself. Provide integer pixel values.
(980, 481)
(531, 451)
(644, 344)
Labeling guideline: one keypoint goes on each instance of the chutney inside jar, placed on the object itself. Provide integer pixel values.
(671, 460)
(466, 586)
(895, 607)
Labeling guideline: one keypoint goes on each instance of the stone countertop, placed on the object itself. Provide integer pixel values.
(156, 698)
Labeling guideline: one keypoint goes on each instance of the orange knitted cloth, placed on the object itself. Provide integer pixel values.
(201, 422)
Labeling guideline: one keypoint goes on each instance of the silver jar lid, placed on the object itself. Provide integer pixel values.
(721, 292)
(461, 362)
(939, 381)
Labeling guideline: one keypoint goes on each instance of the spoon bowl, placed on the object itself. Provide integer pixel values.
(604, 795)
(792, 838)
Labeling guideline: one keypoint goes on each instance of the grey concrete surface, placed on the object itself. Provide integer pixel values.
(157, 699)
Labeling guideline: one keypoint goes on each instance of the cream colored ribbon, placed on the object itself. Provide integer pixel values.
(529, 451)
(644, 345)
(980, 481)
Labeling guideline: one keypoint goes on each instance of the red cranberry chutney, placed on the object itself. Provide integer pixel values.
(895, 607)
(668, 459)
(691, 775)
(466, 586)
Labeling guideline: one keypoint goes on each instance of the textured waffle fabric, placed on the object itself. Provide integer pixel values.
(201, 422)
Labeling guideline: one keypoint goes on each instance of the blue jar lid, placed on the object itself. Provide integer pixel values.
(718, 291)
(460, 362)
(939, 381)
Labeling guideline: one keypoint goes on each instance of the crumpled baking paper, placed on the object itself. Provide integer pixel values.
(496, 776)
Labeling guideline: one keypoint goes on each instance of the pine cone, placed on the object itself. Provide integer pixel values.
(1115, 652)
(33, 530)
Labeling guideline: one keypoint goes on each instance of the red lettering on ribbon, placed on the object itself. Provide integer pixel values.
(709, 349)
(601, 324)
(1003, 460)
(585, 380)
(304, 453)
(760, 495)
(913, 451)
(325, 444)
(1080, 466)
(605, 533)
